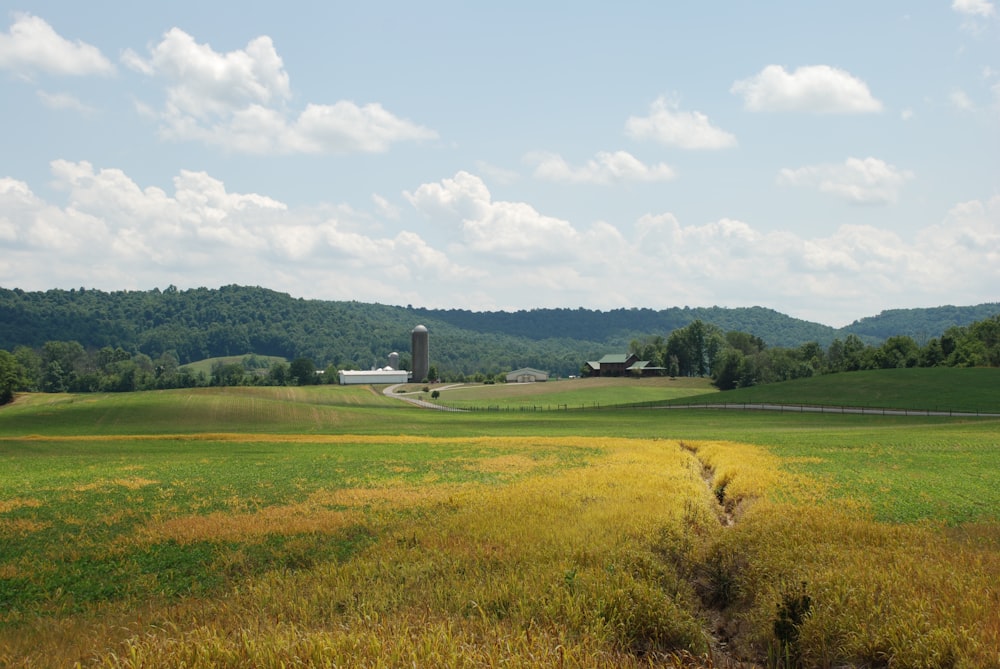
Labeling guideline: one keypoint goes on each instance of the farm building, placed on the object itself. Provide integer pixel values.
(646, 368)
(622, 364)
(613, 364)
(386, 375)
(527, 375)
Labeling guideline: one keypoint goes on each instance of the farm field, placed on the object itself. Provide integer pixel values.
(332, 526)
(572, 393)
(973, 390)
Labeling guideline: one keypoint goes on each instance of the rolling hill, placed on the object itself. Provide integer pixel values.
(234, 320)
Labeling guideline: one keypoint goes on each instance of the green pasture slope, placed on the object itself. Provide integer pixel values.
(82, 471)
(205, 366)
(585, 393)
(927, 389)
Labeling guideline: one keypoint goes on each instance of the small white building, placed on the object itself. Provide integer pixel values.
(350, 377)
(527, 375)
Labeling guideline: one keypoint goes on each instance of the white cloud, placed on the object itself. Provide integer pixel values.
(497, 174)
(668, 125)
(980, 8)
(605, 168)
(515, 231)
(384, 208)
(960, 100)
(857, 180)
(239, 101)
(31, 45)
(816, 88)
(64, 101)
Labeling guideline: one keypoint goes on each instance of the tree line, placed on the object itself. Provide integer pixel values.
(89, 340)
(738, 359)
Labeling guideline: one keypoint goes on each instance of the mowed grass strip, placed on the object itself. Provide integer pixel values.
(570, 393)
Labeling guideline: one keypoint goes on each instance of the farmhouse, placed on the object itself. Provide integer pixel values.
(527, 375)
(613, 364)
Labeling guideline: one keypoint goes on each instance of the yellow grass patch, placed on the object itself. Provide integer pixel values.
(510, 464)
(396, 497)
(133, 483)
(248, 527)
(22, 525)
(7, 505)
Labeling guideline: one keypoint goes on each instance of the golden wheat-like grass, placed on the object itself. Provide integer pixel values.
(617, 560)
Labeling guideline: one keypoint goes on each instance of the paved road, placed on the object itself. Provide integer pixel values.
(390, 391)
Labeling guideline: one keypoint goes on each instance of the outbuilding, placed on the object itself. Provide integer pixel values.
(527, 375)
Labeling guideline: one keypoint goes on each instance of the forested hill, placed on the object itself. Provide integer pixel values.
(235, 320)
(773, 327)
(921, 324)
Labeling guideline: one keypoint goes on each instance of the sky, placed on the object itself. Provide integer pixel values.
(827, 160)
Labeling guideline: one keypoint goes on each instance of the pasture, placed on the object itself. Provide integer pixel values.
(332, 526)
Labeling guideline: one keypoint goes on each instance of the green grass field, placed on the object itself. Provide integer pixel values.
(150, 509)
(572, 393)
(929, 389)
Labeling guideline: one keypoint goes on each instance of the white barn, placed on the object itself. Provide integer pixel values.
(354, 377)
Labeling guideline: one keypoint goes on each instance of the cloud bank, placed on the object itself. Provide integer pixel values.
(108, 232)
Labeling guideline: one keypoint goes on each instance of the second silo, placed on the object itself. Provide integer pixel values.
(420, 350)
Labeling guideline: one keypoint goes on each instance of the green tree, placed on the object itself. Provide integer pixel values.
(278, 375)
(695, 345)
(899, 351)
(62, 362)
(932, 355)
(303, 371)
(228, 374)
(10, 376)
(726, 374)
(31, 368)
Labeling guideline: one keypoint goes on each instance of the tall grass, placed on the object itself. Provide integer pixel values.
(557, 567)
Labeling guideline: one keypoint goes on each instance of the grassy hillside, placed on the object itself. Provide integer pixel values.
(258, 362)
(931, 389)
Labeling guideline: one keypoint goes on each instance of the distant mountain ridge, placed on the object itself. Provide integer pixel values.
(233, 320)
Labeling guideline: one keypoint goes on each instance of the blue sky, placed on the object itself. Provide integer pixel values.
(828, 160)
